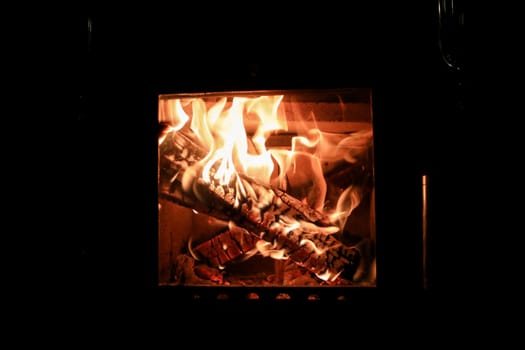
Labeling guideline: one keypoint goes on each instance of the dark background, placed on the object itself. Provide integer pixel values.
(421, 119)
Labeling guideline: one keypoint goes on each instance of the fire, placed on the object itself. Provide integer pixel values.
(234, 133)
(222, 129)
(268, 249)
(173, 114)
(329, 276)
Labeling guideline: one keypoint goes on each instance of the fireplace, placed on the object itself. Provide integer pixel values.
(338, 155)
(344, 211)
(267, 189)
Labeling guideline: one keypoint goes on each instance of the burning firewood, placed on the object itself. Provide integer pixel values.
(186, 272)
(286, 226)
(226, 246)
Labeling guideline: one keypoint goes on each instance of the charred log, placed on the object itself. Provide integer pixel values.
(187, 272)
(226, 246)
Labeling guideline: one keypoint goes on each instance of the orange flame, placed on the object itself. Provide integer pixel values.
(222, 129)
(235, 132)
(268, 249)
(172, 113)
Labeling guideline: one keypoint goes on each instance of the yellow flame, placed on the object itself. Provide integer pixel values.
(288, 224)
(308, 227)
(335, 147)
(222, 128)
(346, 203)
(316, 249)
(328, 276)
(172, 113)
(261, 115)
(266, 108)
(203, 119)
(267, 249)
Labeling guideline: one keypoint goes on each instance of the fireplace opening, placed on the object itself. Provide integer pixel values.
(269, 188)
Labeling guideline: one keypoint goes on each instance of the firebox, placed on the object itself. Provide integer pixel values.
(267, 188)
(293, 180)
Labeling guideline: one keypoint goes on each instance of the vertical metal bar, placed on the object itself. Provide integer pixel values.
(424, 229)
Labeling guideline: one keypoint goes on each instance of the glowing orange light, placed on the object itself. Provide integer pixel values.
(235, 131)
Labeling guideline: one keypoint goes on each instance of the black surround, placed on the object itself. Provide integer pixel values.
(129, 63)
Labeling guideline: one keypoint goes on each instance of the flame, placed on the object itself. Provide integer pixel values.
(268, 249)
(172, 113)
(328, 276)
(222, 129)
(336, 147)
(235, 131)
(347, 202)
(312, 244)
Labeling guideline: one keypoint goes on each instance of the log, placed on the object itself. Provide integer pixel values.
(265, 212)
(187, 273)
(226, 246)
